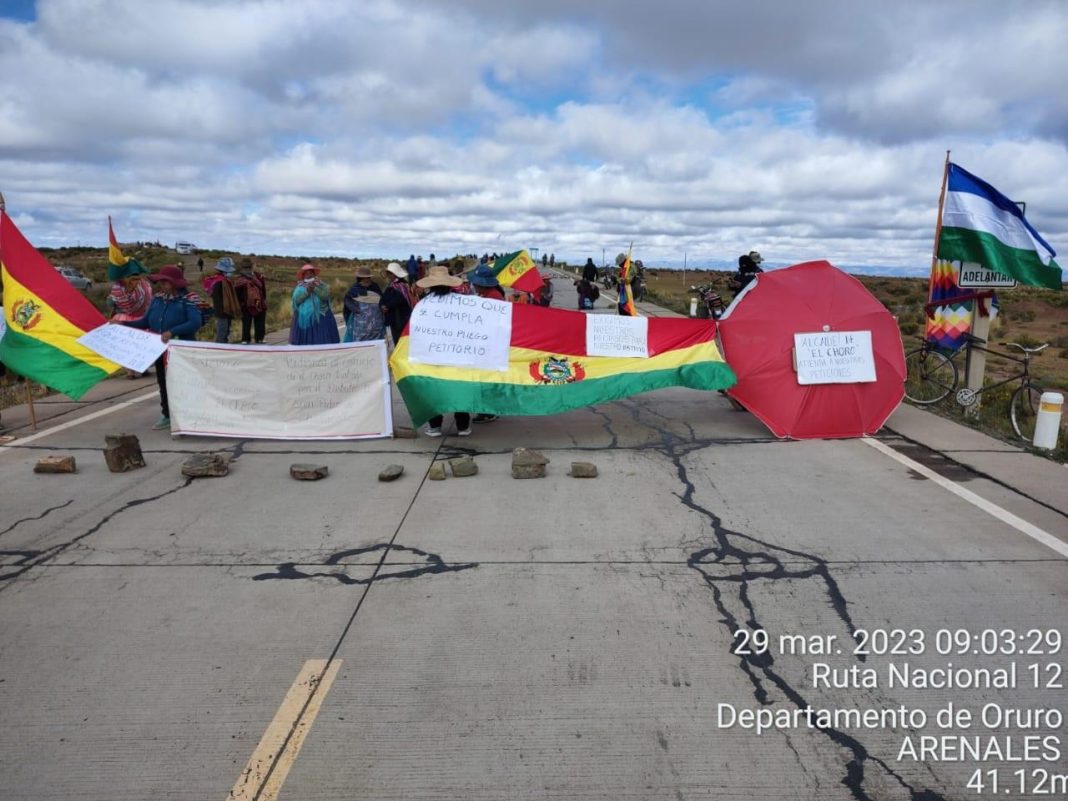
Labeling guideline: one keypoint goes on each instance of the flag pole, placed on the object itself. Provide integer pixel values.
(938, 228)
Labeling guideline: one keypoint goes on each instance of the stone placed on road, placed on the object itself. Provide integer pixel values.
(391, 473)
(528, 464)
(463, 466)
(437, 472)
(402, 432)
(122, 452)
(206, 465)
(55, 464)
(583, 470)
(308, 472)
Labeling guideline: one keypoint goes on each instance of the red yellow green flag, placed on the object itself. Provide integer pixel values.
(549, 370)
(45, 315)
(518, 271)
(119, 265)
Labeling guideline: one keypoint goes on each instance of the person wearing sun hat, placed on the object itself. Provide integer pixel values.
(363, 316)
(485, 283)
(224, 302)
(313, 321)
(251, 289)
(438, 282)
(173, 315)
(397, 300)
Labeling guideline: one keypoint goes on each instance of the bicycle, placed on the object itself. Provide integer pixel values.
(931, 376)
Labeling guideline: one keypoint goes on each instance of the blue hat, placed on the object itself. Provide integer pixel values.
(483, 276)
(225, 265)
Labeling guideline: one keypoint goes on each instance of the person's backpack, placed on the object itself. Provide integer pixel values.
(594, 292)
(231, 306)
(255, 302)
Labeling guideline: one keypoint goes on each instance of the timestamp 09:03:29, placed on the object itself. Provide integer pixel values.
(904, 642)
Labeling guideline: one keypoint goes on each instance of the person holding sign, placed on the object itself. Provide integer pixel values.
(438, 282)
(130, 295)
(313, 322)
(173, 315)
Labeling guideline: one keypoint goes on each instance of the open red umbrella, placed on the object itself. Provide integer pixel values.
(834, 311)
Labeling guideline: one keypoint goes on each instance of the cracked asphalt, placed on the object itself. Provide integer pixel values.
(499, 639)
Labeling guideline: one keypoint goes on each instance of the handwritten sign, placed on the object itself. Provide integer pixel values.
(131, 347)
(612, 335)
(461, 331)
(280, 392)
(834, 357)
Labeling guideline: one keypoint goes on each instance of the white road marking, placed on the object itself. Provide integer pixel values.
(78, 421)
(297, 714)
(993, 509)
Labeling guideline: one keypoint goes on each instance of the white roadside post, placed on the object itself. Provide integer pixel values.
(1048, 422)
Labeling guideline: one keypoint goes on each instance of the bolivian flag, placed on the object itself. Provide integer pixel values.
(45, 315)
(550, 372)
(518, 271)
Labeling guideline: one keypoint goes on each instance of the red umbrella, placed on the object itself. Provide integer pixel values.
(758, 343)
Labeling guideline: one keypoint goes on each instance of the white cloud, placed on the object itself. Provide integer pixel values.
(390, 127)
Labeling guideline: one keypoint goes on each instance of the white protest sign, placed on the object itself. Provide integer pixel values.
(280, 392)
(616, 335)
(461, 331)
(834, 357)
(131, 347)
(3, 327)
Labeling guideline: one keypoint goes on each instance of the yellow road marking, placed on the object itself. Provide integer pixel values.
(297, 714)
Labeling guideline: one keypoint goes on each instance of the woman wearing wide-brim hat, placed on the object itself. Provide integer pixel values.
(397, 300)
(172, 314)
(438, 282)
(313, 321)
(362, 322)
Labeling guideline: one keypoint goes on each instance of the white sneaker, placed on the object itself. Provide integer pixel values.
(464, 432)
(432, 431)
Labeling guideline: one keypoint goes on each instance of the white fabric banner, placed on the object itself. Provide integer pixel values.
(280, 392)
(461, 331)
(131, 347)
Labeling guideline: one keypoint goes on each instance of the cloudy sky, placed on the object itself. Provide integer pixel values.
(813, 129)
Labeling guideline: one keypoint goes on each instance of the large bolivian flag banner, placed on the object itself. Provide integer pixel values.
(45, 315)
(549, 370)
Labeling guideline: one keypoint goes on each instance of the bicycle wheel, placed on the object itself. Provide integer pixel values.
(930, 376)
(1024, 411)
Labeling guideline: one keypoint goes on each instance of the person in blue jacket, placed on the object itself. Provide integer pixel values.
(173, 315)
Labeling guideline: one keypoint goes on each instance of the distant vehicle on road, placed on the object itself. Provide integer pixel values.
(184, 248)
(75, 276)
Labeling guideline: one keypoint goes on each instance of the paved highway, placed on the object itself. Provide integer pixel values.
(252, 637)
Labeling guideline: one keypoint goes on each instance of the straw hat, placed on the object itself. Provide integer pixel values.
(439, 276)
(395, 269)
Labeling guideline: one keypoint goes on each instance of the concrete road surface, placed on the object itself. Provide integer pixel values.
(672, 629)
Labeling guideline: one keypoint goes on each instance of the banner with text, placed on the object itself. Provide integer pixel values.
(280, 392)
